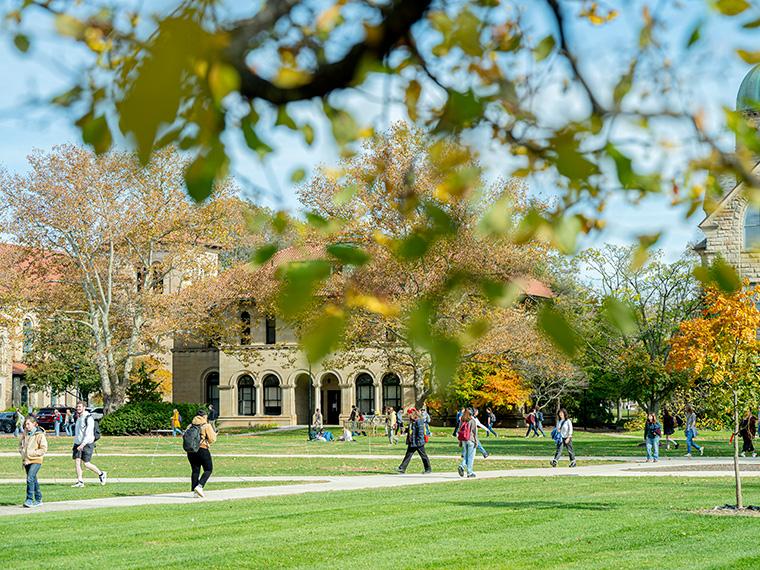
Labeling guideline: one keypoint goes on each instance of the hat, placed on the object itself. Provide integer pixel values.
(411, 410)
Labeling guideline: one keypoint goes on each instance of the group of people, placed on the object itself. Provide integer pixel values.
(33, 446)
(60, 420)
(653, 432)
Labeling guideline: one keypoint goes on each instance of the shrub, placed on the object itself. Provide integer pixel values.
(141, 417)
(636, 423)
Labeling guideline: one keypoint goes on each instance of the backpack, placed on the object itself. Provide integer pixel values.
(464, 432)
(95, 428)
(191, 439)
(557, 433)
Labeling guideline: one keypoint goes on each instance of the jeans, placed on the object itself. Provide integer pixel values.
(57, 427)
(408, 457)
(690, 441)
(468, 456)
(747, 445)
(390, 432)
(198, 459)
(68, 427)
(482, 450)
(33, 493)
(176, 431)
(653, 447)
(489, 429)
(540, 428)
(569, 446)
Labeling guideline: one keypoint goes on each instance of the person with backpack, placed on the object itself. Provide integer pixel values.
(530, 421)
(668, 427)
(468, 441)
(415, 442)
(562, 435)
(539, 421)
(196, 440)
(490, 422)
(57, 419)
(747, 429)
(460, 411)
(86, 433)
(691, 431)
(652, 435)
(32, 446)
(176, 423)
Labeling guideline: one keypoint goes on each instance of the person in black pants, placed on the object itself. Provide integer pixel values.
(415, 441)
(201, 458)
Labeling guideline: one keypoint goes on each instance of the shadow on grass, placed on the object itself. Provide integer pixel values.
(533, 505)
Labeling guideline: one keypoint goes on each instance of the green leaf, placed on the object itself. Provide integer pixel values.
(223, 79)
(297, 175)
(413, 247)
(544, 48)
(751, 57)
(752, 24)
(620, 315)
(624, 85)
(203, 172)
(68, 97)
(411, 98)
(324, 336)
(344, 127)
(95, 132)
(445, 354)
(461, 110)
(348, 254)
(21, 41)
(252, 139)
(300, 280)
(284, 119)
(696, 33)
(719, 274)
(731, 7)
(308, 134)
(557, 329)
(264, 253)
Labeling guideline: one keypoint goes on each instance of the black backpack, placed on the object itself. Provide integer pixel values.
(191, 439)
(95, 428)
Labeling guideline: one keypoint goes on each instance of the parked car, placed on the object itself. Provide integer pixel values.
(7, 422)
(45, 417)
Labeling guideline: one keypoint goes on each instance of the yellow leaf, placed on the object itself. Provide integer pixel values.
(288, 78)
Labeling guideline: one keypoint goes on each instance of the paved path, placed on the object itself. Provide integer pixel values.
(351, 483)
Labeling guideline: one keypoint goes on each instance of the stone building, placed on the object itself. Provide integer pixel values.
(732, 229)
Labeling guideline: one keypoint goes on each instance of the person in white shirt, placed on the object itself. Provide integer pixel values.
(563, 436)
(84, 445)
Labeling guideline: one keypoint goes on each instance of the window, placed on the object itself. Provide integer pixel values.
(365, 393)
(212, 390)
(271, 326)
(246, 396)
(272, 396)
(752, 228)
(245, 327)
(391, 391)
(28, 336)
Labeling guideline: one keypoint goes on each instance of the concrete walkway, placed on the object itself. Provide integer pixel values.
(353, 483)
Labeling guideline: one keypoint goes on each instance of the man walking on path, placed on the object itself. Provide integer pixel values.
(390, 425)
(32, 446)
(530, 420)
(198, 436)
(84, 445)
(539, 421)
(415, 441)
(490, 422)
(691, 431)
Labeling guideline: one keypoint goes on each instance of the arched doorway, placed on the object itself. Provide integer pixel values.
(303, 386)
(330, 399)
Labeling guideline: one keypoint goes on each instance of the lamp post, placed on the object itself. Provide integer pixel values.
(308, 389)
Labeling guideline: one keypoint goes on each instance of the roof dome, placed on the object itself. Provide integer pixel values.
(748, 98)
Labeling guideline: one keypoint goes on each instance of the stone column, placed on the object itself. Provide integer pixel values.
(317, 401)
(259, 398)
(378, 398)
(289, 403)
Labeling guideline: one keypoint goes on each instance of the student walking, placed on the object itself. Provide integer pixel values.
(176, 423)
(530, 420)
(198, 436)
(415, 442)
(539, 421)
(399, 421)
(562, 434)
(32, 446)
(468, 441)
(19, 423)
(68, 423)
(480, 447)
(212, 416)
(460, 411)
(691, 431)
(84, 445)
(57, 419)
(747, 429)
(317, 420)
(426, 418)
(490, 422)
(390, 425)
(668, 427)
(652, 434)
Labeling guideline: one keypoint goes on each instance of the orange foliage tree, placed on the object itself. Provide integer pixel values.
(721, 348)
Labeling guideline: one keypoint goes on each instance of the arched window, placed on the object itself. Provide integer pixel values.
(365, 393)
(245, 327)
(272, 395)
(212, 390)
(752, 228)
(391, 391)
(246, 396)
(28, 336)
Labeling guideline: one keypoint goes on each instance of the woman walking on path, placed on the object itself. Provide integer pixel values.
(176, 423)
(691, 431)
(196, 441)
(563, 436)
(652, 434)
(747, 429)
(390, 425)
(490, 422)
(530, 420)
(32, 448)
(668, 427)
(468, 441)
(415, 441)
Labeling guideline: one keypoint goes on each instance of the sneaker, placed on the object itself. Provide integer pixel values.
(687, 455)
(572, 464)
(102, 477)
(199, 492)
(676, 444)
(28, 504)
(471, 476)
(647, 461)
(553, 463)
(754, 454)
(37, 504)
(400, 471)
(485, 455)
(78, 484)
(742, 454)
(702, 450)
(655, 460)
(460, 470)
(428, 472)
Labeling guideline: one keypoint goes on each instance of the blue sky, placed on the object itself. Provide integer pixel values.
(710, 77)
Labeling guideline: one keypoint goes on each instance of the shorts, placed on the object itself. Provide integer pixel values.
(86, 453)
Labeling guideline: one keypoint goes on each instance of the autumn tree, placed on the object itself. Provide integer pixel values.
(721, 347)
(123, 235)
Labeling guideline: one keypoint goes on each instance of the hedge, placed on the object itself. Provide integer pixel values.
(143, 417)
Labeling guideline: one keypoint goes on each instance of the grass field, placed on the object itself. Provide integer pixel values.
(521, 523)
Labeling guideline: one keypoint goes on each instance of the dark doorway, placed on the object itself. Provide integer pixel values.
(333, 407)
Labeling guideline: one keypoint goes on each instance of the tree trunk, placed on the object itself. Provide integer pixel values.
(114, 400)
(737, 474)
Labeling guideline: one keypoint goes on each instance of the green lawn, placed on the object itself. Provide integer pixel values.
(512, 443)
(539, 523)
(15, 494)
